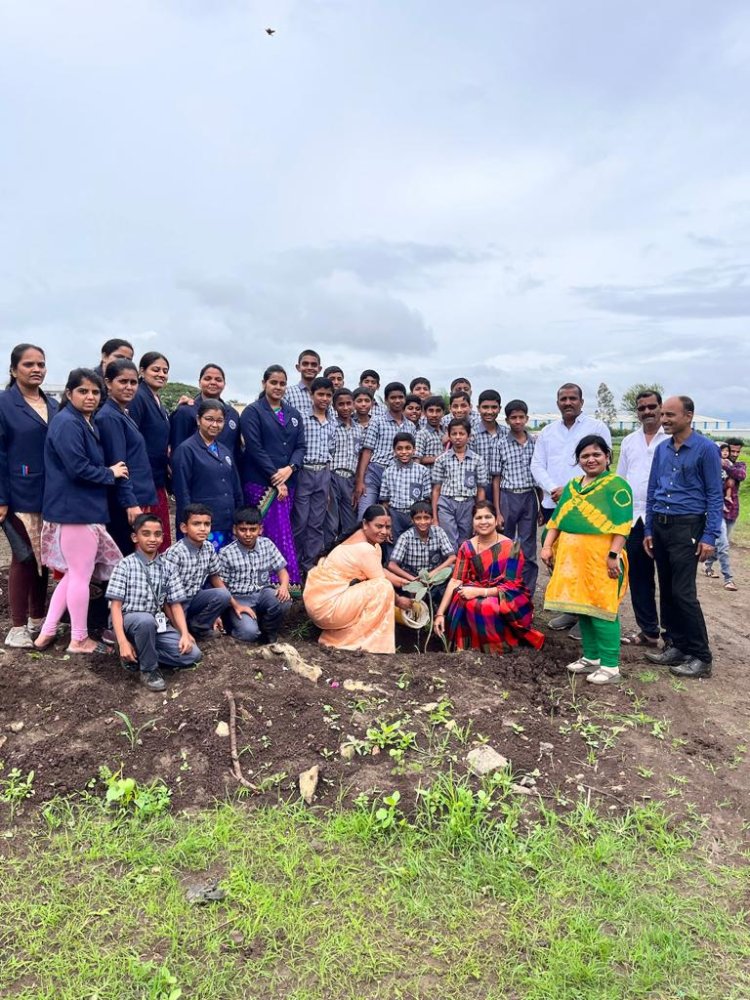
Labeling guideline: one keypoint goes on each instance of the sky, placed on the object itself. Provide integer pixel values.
(522, 193)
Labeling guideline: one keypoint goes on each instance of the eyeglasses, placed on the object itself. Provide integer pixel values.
(647, 406)
(213, 420)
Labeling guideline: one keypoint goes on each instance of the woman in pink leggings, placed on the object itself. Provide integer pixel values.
(74, 538)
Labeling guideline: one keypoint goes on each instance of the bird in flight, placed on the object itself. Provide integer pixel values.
(270, 31)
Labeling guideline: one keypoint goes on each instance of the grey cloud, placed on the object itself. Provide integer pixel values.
(711, 242)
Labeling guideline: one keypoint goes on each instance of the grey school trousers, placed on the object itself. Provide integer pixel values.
(269, 611)
(373, 478)
(153, 648)
(309, 515)
(204, 608)
(455, 518)
(520, 511)
(341, 518)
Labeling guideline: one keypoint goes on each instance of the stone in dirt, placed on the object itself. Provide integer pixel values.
(308, 782)
(16, 727)
(521, 790)
(347, 751)
(222, 729)
(350, 685)
(199, 893)
(485, 760)
(292, 659)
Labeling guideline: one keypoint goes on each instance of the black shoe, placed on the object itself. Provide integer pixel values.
(268, 638)
(670, 656)
(563, 621)
(153, 680)
(691, 668)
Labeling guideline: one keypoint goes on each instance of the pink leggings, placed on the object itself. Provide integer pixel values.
(79, 546)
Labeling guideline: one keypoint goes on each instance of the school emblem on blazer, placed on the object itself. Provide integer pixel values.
(228, 459)
(294, 421)
(233, 425)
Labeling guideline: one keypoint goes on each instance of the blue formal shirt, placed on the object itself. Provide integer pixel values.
(686, 480)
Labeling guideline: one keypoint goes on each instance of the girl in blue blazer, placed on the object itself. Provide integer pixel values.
(74, 507)
(211, 382)
(123, 442)
(152, 420)
(274, 450)
(204, 471)
(25, 413)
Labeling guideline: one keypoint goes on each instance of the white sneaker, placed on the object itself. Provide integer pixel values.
(18, 638)
(583, 666)
(605, 675)
(34, 626)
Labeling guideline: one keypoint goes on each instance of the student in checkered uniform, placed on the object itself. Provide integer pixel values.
(404, 482)
(519, 499)
(245, 567)
(430, 437)
(314, 480)
(143, 592)
(194, 561)
(377, 446)
(299, 395)
(457, 476)
(424, 546)
(486, 438)
(341, 518)
(460, 406)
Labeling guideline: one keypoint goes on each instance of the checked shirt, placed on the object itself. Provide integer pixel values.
(245, 570)
(192, 567)
(346, 444)
(413, 554)
(319, 439)
(380, 434)
(429, 443)
(143, 584)
(404, 484)
(514, 463)
(457, 478)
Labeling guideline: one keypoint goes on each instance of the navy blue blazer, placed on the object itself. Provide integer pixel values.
(76, 476)
(182, 425)
(22, 436)
(123, 442)
(268, 445)
(200, 477)
(152, 420)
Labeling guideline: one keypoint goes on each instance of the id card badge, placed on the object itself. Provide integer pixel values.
(161, 621)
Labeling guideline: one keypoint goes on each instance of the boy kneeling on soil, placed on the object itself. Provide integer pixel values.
(423, 546)
(246, 566)
(143, 595)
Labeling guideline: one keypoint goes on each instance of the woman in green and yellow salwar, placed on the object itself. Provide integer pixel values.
(584, 550)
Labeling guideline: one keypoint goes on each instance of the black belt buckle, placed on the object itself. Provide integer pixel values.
(662, 518)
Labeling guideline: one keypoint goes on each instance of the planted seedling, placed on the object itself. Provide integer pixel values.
(132, 733)
(422, 588)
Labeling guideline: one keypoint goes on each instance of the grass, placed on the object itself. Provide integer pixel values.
(466, 900)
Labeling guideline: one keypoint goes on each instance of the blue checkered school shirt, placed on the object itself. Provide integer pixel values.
(474, 420)
(347, 442)
(459, 478)
(300, 398)
(380, 434)
(319, 439)
(402, 485)
(486, 446)
(514, 463)
(192, 566)
(430, 442)
(246, 570)
(142, 584)
(413, 554)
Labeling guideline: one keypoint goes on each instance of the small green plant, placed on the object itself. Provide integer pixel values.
(16, 788)
(126, 797)
(385, 735)
(648, 676)
(645, 772)
(388, 817)
(132, 733)
(422, 587)
(442, 714)
(404, 682)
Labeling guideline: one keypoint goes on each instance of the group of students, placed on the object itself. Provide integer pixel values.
(261, 495)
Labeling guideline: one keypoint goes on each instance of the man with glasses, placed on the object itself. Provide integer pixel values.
(636, 456)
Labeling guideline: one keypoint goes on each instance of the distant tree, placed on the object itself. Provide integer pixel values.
(629, 396)
(172, 391)
(606, 411)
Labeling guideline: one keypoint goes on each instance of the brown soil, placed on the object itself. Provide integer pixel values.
(648, 738)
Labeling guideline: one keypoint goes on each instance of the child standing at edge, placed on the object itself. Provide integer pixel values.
(194, 560)
(486, 438)
(340, 517)
(142, 595)
(430, 438)
(423, 546)
(299, 396)
(457, 476)
(377, 446)
(404, 482)
(314, 480)
(246, 567)
(516, 495)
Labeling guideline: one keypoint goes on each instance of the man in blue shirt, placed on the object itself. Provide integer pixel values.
(683, 520)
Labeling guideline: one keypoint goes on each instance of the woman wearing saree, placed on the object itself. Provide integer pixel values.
(350, 596)
(486, 605)
(274, 450)
(584, 549)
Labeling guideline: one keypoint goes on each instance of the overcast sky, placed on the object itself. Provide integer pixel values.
(521, 192)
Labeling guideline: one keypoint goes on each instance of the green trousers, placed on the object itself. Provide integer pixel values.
(600, 640)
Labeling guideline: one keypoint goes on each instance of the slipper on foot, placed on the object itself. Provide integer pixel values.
(98, 648)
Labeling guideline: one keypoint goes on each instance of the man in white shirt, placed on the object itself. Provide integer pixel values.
(554, 463)
(636, 456)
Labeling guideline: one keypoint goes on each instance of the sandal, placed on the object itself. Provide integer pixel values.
(709, 571)
(99, 648)
(730, 585)
(639, 639)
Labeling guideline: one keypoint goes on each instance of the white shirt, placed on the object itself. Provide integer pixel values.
(636, 456)
(554, 461)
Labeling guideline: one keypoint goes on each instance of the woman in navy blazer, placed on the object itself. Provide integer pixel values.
(123, 442)
(211, 383)
(274, 450)
(25, 413)
(204, 471)
(152, 420)
(74, 507)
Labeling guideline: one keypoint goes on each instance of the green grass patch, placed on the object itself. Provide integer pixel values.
(465, 900)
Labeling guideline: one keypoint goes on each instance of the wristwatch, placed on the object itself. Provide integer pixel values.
(613, 555)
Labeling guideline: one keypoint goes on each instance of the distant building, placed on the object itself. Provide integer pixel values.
(629, 422)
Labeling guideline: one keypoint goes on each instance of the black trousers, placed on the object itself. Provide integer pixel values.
(675, 544)
(642, 582)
